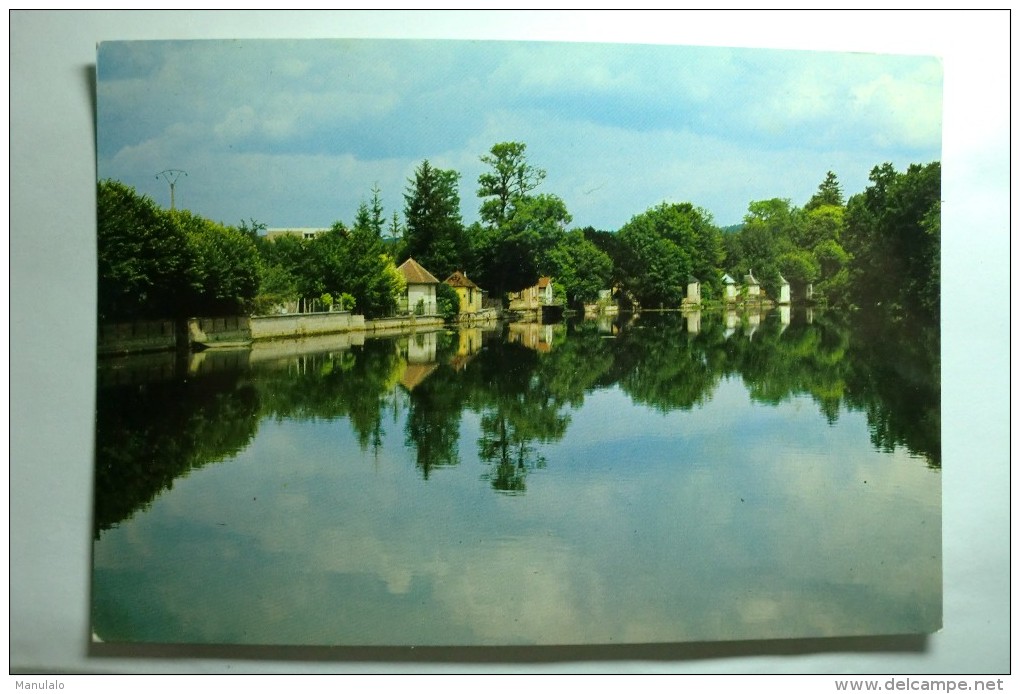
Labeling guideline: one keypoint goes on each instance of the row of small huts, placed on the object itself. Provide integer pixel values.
(421, 291)
(750, 290)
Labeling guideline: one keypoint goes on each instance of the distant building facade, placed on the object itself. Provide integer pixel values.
(534, 297)
(306, 233)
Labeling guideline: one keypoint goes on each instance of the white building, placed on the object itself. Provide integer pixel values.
(421, 289)
(753, 288)
(784, 290)
(306, 233)
(693, 290)
(729, 288)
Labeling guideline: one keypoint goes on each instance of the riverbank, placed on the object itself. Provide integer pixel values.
(232, 332)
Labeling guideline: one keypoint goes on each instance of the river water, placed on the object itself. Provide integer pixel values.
(663, 478)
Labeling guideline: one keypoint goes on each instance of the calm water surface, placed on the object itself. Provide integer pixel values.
(662, 479)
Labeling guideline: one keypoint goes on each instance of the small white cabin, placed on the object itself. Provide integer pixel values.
(421, 288)
(729, 288)
(784, 290)
(693, 290)
(753, 288)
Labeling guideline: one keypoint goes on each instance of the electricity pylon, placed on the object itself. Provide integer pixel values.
(171, 176)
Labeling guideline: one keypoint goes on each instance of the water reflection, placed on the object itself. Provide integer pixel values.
(621, 453)
(152, 432)
(158, 417)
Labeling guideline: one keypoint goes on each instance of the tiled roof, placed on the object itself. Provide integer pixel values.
(415, 273)
(459, 279)
(544, 281)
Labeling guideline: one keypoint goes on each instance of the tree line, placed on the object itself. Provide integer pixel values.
(877, 249)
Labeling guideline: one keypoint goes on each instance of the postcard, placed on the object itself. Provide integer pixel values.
(481, 343)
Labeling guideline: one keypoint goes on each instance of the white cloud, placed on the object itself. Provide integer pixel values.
(239, 122)
(904, 112)
(618, 128)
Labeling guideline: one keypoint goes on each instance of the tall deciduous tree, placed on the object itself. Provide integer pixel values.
(580, 267)
(519, 229)
(511, 178)
(892, 232)
(663, 246)
(227, 270)
(155, 263)
(144, 260)
(513, 255)
(768, 246)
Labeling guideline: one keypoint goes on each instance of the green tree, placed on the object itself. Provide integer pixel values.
(434, 234)
(376, 220)
(609, 243)
(279, 286)
(363, 218)
(663, 246)
(510, 179)
(892, 234)
(768, 247)
(290, 271)
(145, 262)
(820, 224)
(511, 248)
(829, 193)
(580, 267)
(370, 214)
(799, 267)
(513, 255)
(227, 269)
(447, 301)
(252, 229)
(396, 229)
(354, 261)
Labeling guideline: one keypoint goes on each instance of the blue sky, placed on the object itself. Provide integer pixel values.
(296, 133)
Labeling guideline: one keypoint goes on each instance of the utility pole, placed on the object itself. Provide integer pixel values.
(171, 176)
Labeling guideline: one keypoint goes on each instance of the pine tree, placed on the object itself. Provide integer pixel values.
(829, 193)
(434, 234)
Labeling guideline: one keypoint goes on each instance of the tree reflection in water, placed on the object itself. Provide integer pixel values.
(153, 429)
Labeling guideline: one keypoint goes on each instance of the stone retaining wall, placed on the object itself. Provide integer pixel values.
(209, 331)
(157, 336)
(304, 324)
(138, 336)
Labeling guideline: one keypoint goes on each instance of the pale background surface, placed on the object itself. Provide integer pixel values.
(52, 265)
